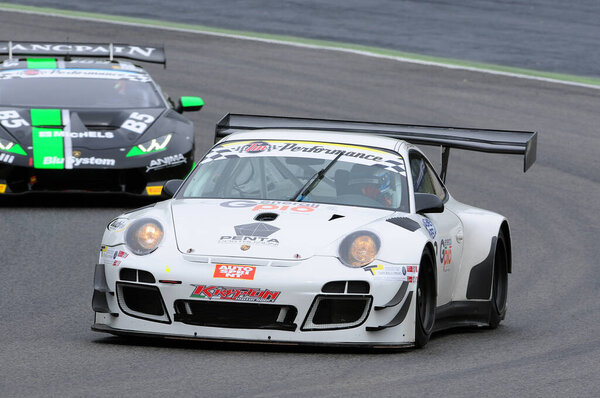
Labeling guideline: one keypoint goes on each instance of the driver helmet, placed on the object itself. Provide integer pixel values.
(375, 182)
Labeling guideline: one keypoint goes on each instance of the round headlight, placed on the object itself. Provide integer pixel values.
(359, 248)
(143, 236)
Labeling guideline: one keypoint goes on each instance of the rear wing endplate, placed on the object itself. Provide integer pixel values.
(111, 51)
(481, 140)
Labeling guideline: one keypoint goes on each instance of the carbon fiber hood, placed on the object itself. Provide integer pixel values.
(91, 129)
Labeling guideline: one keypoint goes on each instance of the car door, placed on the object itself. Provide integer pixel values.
(442, 227)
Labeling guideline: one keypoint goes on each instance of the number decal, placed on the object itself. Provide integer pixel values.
(12, 119)
(137, 122)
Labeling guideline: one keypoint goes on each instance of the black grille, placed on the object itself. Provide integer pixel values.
(360, 287)
(339, 311)
(330, 312)
(142, 301)
(133, 275)
(236, 315)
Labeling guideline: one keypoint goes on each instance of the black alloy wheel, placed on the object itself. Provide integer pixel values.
(500, 283)
(426, 297)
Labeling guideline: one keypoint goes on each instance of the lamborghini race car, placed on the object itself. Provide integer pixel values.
(306, 231)
(69, 122)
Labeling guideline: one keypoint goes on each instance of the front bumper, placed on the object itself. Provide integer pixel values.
(138, 181)
(282, 304)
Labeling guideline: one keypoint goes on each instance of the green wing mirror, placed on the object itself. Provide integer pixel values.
(189, 104)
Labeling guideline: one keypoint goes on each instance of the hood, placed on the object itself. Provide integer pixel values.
(86, 129)
(221, 227)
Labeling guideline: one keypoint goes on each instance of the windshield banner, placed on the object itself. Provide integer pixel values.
(308, 149)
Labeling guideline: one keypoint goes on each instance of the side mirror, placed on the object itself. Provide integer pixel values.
(189, 104)
(427, 203)
(171, 187)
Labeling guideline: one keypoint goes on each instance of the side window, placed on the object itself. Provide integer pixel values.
(424, 178)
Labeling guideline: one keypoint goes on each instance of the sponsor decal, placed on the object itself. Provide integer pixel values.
(76, 134)
(249, 234)
(167, 161)
(256, 147)
(155, 190)
(118, 256)
(429, 227)
(229, 271)
(118, 224)
(92, 161)
(82, 49)
(2, 188)
(6, 158)
(112, 256)
(406, 273)
(319, 150)
(446, 253)
(294, 147)
(211, 292)
(75, 73)
(258, 205)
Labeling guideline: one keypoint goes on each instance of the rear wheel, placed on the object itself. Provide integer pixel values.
(426, 297)
(500, 283)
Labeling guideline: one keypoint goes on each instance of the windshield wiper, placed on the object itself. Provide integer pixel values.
(313, 181)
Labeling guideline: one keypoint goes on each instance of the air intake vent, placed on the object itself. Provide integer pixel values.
(133, 275)
(266, 217)
(405, 223)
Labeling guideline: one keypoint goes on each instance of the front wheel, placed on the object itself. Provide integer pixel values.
(500, 283)
(426, 297)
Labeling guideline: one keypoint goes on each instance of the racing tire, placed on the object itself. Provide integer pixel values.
(425, 303)
(500, 283)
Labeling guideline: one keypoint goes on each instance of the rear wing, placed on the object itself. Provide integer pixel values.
(95, 50)
(481, 140)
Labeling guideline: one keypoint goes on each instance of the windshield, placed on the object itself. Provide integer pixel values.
(277, 170)
(81, 88)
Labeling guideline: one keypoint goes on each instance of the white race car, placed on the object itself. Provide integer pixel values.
(306, 231)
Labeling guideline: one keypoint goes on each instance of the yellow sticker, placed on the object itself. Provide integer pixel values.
(2, 188)
(156, 190)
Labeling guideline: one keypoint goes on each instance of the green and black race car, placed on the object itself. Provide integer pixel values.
(72, 123)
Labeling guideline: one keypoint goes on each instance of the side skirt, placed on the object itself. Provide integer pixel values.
(461, 314)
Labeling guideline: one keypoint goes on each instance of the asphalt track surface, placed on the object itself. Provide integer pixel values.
(549, 35)
(548, 345)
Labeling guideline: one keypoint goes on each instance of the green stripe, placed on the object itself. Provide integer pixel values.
(373, 51)
(48, 151)
(41, 63)
(46, 117)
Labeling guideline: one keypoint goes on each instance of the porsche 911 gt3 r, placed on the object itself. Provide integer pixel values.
(71, 123)
(307, 231)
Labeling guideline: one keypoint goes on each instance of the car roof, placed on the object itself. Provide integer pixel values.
(369, 140)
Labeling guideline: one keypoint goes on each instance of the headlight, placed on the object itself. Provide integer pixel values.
(9, 146)
(143, 236)
(154, 145)
(359, 248)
